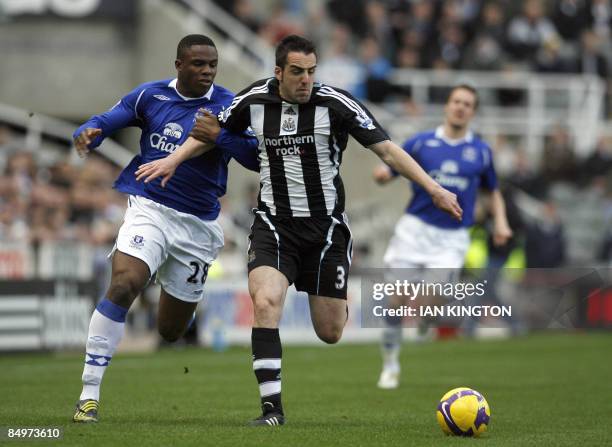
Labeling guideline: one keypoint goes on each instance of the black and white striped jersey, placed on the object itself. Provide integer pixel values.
(301, 145)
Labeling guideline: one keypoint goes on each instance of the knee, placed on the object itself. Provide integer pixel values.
(170, 333)
(329, 334)
(124, 288)
(266, 301)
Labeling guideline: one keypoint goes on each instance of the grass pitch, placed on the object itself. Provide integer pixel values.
(544, 390)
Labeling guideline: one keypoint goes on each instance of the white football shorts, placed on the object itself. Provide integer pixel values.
(177, 247)
(417, 244)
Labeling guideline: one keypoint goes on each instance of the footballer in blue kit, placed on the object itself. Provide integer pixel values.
(170, 228)
(424, 237)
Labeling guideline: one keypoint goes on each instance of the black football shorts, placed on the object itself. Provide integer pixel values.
(312, 252)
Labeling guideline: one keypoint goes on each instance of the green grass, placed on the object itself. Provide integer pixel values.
(544, 390)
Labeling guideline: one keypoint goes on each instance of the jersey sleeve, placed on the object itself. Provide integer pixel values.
(488, 178)
(355, 117)
(124, 113)
(243, 148)
(237, 117)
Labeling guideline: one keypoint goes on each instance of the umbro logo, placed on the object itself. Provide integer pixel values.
(161, 97)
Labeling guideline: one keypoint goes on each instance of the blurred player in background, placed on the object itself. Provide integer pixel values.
(168, 230)
(300, 233)
(425, 237)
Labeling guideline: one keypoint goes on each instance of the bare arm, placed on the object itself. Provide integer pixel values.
(398, 160)
(166, 167)
(501, 229)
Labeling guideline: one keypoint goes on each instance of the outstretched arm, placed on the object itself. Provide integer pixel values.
(165, 167)
(398, 160)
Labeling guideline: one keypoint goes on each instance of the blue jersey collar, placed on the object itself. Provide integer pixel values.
(208, 94)
(469, 136)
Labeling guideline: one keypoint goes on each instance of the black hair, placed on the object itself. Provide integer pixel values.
(191, 40)
(467, 87)
(293, 43)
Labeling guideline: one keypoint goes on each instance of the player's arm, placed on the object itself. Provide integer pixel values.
(123, 114)
(402, 163)
(501, 228)
(166, 167)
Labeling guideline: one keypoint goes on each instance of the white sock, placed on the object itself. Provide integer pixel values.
(105, 333)
(391, 347)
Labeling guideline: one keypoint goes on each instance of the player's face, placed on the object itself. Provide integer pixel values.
(296, 78)
(460, 108)
(196, 70)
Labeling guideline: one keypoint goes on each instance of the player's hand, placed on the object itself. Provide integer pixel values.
(206, 127)
(82, 142)
(163, 168)
(382, 174)
(447, 201)
(501, 234)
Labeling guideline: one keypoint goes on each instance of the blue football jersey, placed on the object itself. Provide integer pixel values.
(462, 166)
(166, 118)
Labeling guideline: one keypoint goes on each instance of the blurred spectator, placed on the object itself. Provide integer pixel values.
(529, 31)
(545, 240)
(558, 158)
(549, 58)
(590, 60)
(243, 10)
(338, 67)
(486, 50)
(350, 13)
(448, 47)
(377, 69)
(570, 17)
(601, 18)
(598, 166)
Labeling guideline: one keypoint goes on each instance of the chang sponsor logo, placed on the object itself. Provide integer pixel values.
(161, 143)
(448, 176)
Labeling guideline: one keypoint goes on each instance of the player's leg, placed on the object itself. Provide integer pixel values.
(268, 289)
(329, 316)
(173, 316)
(106, 328)
(139, 251)
(401, 258)
(193, 244)
(271, 271)
(324, 276)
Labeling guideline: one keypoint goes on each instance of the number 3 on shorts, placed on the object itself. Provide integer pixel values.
(340, 278)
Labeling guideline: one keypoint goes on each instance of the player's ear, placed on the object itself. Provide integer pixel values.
(278, 73)
(178, 64)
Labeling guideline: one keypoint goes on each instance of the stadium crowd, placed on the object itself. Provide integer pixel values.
(362, 40)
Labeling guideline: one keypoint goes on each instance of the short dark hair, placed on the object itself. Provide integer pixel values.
(293, 43)
(467, 87)
(191, 40)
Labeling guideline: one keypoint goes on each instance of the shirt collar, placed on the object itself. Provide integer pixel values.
(469, 136)
(208, 94)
